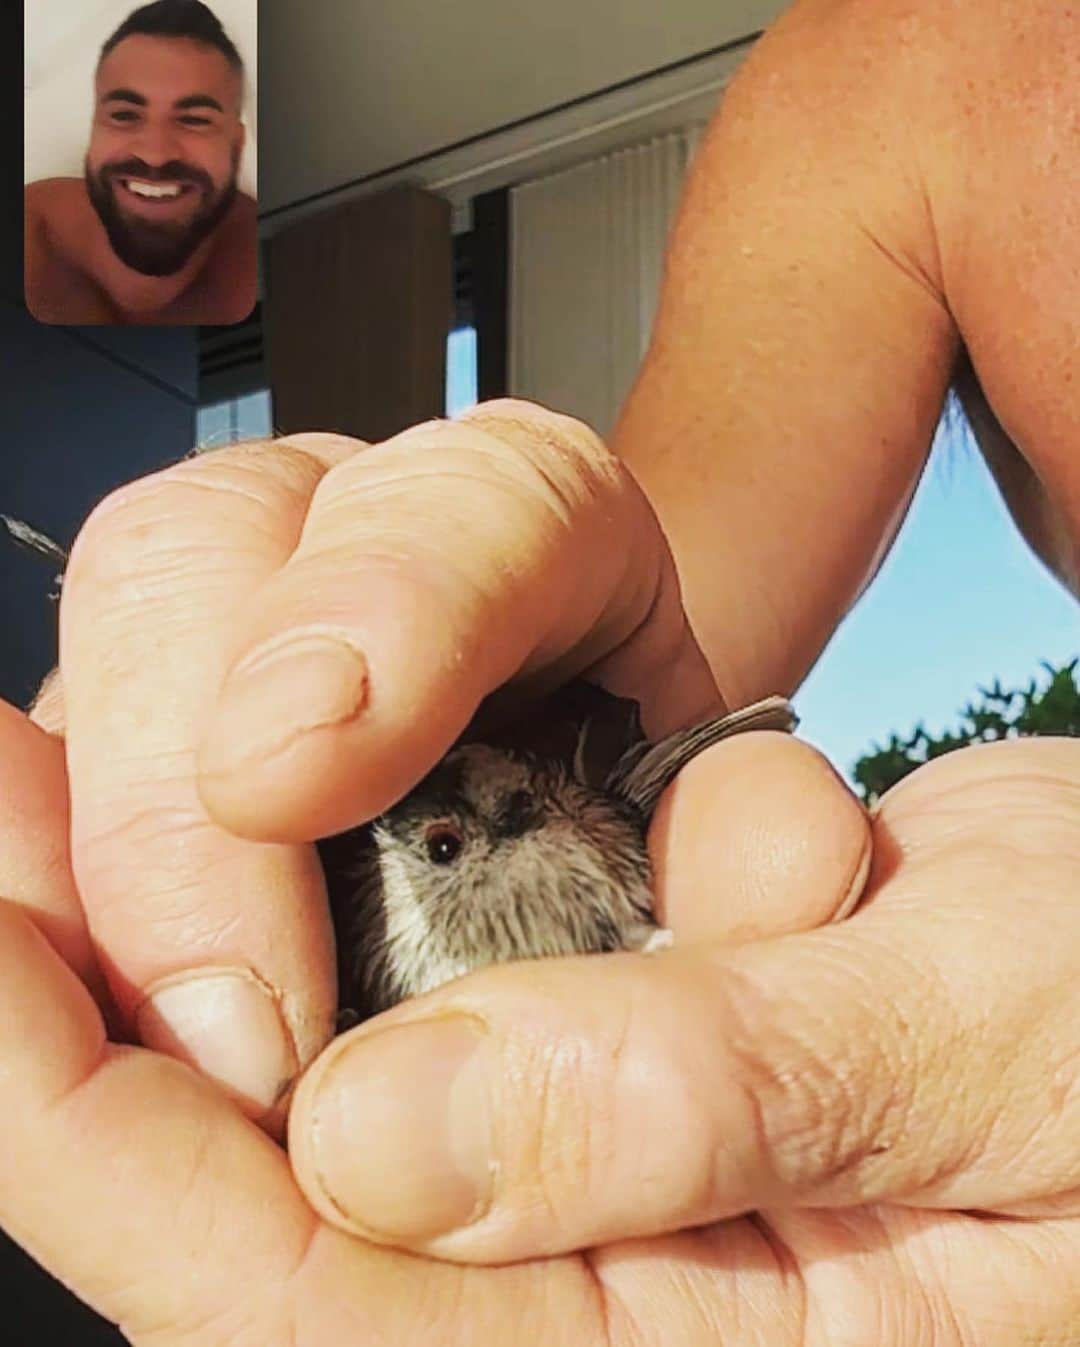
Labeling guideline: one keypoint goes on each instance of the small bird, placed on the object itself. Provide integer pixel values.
(521, 845)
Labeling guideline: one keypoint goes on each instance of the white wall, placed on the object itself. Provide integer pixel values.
(353, 87)
(63, 40)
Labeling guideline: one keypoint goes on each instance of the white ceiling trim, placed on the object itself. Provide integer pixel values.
(549, 143)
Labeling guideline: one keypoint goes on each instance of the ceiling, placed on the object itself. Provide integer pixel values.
(356, 88)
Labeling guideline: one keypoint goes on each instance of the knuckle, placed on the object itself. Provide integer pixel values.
(135, 533)
(325, 447)
(248, 486)
(826, 1103)
(140, 826)
(588, 1141)
(531, 475)
(149, 540)
(518, 414)
(559, 1129)
(565, 450)
(263, 470)
(805, 1110)
(124, 512)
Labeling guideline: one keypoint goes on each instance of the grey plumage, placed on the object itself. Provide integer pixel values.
(523, 845)
(40, 544)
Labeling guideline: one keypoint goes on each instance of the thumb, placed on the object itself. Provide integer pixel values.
(916, 1054)
(547, 1106)
(756, 838)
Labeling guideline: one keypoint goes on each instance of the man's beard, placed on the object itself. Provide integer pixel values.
(157, 247)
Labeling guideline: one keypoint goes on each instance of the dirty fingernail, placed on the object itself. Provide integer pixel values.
(228, 1025)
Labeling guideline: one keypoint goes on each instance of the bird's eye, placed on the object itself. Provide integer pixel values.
(443, 844)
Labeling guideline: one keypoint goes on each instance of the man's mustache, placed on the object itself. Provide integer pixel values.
(174, 171)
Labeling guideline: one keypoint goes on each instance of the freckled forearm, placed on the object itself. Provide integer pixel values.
(798, 363)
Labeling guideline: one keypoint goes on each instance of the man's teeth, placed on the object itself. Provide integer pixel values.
(151, 189)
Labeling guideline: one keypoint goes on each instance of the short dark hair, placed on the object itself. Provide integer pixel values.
(177, 18)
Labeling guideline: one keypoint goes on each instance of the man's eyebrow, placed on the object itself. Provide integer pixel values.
(181, 104)
(124, 96)
(199, 101)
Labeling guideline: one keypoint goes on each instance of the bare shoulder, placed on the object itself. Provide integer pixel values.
(239, 230)
(56, 212)
(1002, 166)
(951, 133)
(915, 102)
(50, 194)
(56, 286)
(246, 208)
(227, 291)
(886, 44)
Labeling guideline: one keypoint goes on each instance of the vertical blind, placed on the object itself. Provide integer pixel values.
(587, 251)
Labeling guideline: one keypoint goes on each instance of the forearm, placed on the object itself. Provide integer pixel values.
(867, 200)
(800, 356)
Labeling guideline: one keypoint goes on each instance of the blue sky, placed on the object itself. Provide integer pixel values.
(959, 602)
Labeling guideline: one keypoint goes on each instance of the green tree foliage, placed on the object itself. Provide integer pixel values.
(997, 714)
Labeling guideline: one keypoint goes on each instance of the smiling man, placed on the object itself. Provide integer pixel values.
(156, 231)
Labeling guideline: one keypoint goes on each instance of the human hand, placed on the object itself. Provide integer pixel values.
(145, 1190)
(897, 1095)
(499, 554)
(149, 1193)
(236, 573)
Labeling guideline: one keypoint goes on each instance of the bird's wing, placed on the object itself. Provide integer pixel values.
(642, 774)
(33, 541)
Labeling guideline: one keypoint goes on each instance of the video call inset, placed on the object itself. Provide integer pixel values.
(140, 204)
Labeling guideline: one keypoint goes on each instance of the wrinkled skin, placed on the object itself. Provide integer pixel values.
(893, 1094)
(857, 1066)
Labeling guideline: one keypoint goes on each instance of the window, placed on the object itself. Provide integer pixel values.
(461, 371)
(244, 418)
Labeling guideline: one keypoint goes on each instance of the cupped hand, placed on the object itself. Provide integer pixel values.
(877, 1062)
(150, 1194)
(896, 1095)
(140, 1185)
(274, 642)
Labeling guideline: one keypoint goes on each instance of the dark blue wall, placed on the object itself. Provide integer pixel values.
(84, 409)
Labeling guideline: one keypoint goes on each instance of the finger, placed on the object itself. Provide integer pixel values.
(88, 1130)
(432, 569)
(146, 1192)
(85, 1131)
(757, 837)
(914, 1053)
(136, 1184)
(219, 952)
(36, 875)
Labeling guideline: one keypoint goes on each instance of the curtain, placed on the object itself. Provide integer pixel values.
(357, 315)
(587, 250)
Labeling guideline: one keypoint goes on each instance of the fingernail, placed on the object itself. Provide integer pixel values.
(401, 1130)
(296, 683)
(228, 1025)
